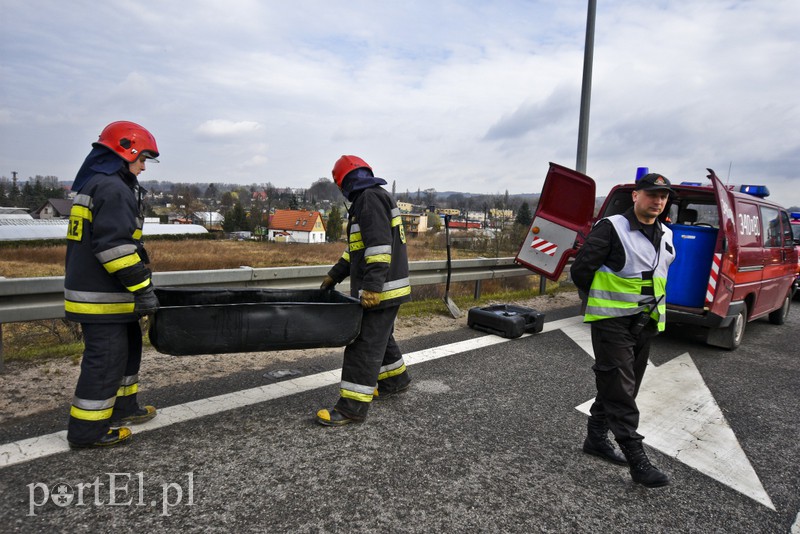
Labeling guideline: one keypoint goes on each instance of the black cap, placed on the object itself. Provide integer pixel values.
(653, 182)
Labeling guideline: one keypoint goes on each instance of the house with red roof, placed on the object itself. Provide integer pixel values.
(296, 226)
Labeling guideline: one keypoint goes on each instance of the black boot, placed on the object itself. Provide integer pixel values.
(642, 471)
(598, 444)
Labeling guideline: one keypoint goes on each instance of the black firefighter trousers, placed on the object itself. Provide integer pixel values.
(372, 360)
(109, 379)
(620, 362)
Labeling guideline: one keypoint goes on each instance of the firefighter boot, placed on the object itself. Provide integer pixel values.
(141, 415)
(111, 439)
(598, 444)
(642, 471)
(391, 386)
(334, 417)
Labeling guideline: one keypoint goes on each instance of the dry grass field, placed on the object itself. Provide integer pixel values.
(199, 254)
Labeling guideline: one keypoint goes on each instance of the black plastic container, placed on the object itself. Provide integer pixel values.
(506, 320)
(213, 320)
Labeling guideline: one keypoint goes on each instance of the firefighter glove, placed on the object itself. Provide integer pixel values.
(146, 302)
(370, 299)
(327, 283)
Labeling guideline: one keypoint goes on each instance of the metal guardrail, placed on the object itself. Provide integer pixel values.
(33, 299)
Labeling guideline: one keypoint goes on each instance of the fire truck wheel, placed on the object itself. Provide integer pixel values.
(731, 336)
(779, 316)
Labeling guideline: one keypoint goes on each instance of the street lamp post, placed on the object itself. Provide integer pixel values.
(586, 89)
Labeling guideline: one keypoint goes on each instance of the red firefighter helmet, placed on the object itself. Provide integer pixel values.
(345, 165)
(128, 140)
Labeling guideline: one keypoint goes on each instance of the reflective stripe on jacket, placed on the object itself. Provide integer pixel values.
(376, 258)
(640, 283)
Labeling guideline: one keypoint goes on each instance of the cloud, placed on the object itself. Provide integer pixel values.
(532, 116)
(473, 96)
(226, 129)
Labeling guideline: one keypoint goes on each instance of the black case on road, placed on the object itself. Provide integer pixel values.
(506, 320)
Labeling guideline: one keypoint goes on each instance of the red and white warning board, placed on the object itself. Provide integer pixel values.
(544, 246)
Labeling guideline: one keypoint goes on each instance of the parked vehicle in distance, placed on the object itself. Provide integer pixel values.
(795, 215)
(736, 255)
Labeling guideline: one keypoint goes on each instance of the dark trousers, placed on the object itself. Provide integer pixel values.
(620, 362)
(108, 381)
(374, 354)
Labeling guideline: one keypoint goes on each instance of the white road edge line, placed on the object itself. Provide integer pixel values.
(41, 446)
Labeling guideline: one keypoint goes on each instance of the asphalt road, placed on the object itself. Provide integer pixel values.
(487, 440)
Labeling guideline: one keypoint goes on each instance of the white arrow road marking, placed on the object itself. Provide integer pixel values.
(680, 418)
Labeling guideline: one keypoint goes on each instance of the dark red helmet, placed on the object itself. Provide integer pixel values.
(128, 140)
(345, 165)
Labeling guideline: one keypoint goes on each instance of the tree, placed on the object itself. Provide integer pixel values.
(15, 194)
(334, 226)
(211, 192)
(524, 216)
(228, 200)
(324, 189)
(430, 197)
(434, 222)
(235, 219)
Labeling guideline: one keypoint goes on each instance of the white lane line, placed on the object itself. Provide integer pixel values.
(41, 446)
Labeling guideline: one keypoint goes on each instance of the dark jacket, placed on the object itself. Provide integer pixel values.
(376, 258)
(105, 262)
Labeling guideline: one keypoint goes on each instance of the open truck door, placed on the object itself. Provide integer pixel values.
(726, 250)
(564, 213)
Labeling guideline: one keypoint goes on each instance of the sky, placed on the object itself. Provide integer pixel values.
(475, 96)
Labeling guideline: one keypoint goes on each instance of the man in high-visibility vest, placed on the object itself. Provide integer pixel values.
(376, 260)
(621, 271)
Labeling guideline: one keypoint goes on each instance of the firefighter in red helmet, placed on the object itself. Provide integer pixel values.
(108, 286)
(376, 261)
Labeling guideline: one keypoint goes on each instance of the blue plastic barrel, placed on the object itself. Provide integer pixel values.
(687, 280)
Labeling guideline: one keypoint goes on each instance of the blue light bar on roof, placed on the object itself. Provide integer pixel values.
(760, 191)
(695, 184)
(795, 215)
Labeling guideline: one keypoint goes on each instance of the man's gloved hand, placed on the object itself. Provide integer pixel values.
(146, 302)
(369, 299)
(327, 283)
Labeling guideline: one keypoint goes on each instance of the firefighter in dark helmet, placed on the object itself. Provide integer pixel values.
(107, 287)
(376, 261)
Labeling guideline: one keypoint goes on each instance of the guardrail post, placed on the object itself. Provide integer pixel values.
(477, 294)
(542, 285)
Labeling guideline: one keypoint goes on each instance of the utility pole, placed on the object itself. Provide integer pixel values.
(586, 89)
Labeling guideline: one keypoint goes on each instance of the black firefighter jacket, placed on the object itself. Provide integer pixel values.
(376, 258)
(105, 263)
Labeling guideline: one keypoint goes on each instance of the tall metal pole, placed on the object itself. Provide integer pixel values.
(586, 90)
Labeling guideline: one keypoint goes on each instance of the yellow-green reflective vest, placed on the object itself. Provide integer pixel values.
(633, 289)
